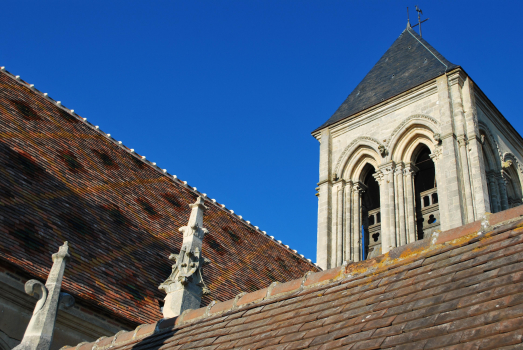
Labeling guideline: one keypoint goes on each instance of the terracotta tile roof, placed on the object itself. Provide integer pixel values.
(63, 179)
(459, 289)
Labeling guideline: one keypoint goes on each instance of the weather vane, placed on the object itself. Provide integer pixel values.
(418, 10)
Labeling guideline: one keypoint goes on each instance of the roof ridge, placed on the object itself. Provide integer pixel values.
(410, 31)
(153, 165)
(439, 243)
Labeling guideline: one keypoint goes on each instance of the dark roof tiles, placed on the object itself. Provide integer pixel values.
(461, 289)
(62, 179)
(409, 62)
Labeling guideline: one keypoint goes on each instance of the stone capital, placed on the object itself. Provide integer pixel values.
(378, 175)
(399, 168)
(436, 154)
(410, 168)
(462, 140)
(358, 186)
(387, 168)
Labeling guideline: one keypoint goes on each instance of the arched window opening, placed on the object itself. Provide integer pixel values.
(426, 195)
(503, 183)
(492, 172)
(513, 184)
(370, 212)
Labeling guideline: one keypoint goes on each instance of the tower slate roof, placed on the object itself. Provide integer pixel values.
(409, 62)
(458, 289)
(63, 179)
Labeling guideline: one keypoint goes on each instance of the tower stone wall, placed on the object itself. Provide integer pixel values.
(448, 115)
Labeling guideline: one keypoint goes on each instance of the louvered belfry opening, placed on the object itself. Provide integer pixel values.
(426, 194)
(371, 216)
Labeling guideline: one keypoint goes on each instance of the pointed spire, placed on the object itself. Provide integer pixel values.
(409, 62)
(185, 286)
(39, 332)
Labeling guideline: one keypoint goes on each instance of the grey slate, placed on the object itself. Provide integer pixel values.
(409, 62)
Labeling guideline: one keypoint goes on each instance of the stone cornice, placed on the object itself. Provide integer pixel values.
(323, 182)
(457, 76)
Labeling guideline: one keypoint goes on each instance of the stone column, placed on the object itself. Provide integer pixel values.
(447, 173)
(410, 201)
(388, 216)
(400, 197)
(384, 229)
(323, 249)
(466, 178)
(477, 174)
(456, 82)
(185, 285)
(339, 229)
(39, 332)
(356, 238)
(494, 192)
(391, 213)
(502, 191)
(347, 246)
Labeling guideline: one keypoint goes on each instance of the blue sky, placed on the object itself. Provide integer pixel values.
(224, 94)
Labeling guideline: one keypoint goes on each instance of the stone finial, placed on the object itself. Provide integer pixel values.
(39, 332)
(185, 286)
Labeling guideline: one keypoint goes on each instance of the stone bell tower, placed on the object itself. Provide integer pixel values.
(415, 148)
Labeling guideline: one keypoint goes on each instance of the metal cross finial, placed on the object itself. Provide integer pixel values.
(418, 10)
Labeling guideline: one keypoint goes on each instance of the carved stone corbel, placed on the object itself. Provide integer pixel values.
(383, 151)
(437, 138)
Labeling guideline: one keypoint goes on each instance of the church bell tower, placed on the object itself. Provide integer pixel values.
(415, 148)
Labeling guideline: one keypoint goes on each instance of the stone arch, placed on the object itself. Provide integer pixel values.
(490, 149)
(370, 143)
(405, 146)
(421, 120)
(508, 156)
(355, 164)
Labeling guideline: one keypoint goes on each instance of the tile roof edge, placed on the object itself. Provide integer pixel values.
(489, 225)
(164, 172)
